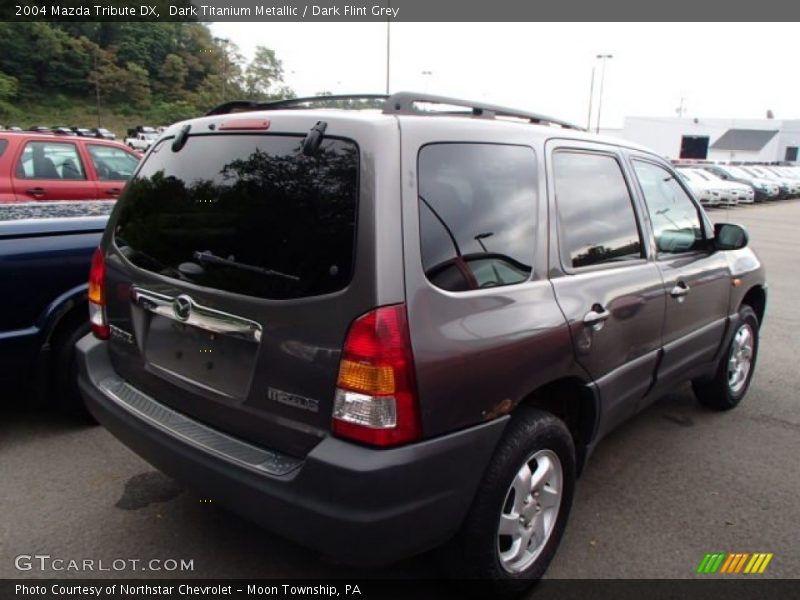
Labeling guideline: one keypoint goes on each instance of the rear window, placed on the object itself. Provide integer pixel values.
(3, 146)
(249, 214)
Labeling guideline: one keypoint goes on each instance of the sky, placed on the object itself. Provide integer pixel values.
(724, 70)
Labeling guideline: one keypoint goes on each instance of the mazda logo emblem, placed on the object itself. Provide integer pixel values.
(182, 307)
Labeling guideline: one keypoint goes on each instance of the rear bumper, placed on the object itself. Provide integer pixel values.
(359, 505)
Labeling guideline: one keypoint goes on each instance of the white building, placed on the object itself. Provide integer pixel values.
(758, 140)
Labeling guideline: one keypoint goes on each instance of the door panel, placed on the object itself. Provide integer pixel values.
(111, 167)
(621, 352)
(610, 292)
(46, 170)
(696, 279)
(698, 290)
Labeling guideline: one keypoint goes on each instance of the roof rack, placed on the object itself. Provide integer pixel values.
(401, 103)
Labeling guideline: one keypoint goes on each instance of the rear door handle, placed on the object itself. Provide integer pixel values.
(37, 191)
(680, 290)
(596, 317)
(113, 191)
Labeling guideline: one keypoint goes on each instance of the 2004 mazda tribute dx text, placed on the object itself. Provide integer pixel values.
(377, 332)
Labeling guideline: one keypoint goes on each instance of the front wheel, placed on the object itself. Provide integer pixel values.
(521, 508)
(732, 379)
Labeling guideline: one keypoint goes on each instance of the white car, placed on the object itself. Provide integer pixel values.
(765, 189)
(707, 194)
(733, 193)
(142, 141)
(790, 188)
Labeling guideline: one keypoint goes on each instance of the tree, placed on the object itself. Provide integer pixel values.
(264, 76)
(172, 78)
(8, 87)
(137, 85)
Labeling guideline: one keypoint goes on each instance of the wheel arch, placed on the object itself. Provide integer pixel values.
(63, 310)
(576, 403)
(756, 298)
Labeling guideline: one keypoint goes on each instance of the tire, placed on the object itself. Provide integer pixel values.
(64, 380)
(730, 385)
(536, 439)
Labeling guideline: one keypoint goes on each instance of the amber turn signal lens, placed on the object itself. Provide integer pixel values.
(367, 379)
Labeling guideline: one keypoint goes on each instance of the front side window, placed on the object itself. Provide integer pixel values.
(477, 205)
(112, 164)
(596, 221)
(676, 221)
(50, 160)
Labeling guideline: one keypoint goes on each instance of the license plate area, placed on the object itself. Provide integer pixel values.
(209, 359)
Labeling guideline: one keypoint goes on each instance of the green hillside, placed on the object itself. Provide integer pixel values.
(138, 73)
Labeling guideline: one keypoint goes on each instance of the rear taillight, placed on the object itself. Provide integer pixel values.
(97, 296)
(376, 397)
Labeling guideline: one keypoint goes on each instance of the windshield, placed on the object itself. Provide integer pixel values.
(737, 172)
(249, 214)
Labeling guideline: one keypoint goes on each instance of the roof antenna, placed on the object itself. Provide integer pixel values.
(314, 138)
(180, 139)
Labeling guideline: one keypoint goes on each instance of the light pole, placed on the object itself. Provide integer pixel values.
(681, 110)
(602, 57)
(97, 85)
(388, 48)
(591, 97)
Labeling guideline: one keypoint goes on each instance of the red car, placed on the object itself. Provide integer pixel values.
(40, 166)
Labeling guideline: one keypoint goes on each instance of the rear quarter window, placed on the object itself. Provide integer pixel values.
(477, 205)
(249, 214)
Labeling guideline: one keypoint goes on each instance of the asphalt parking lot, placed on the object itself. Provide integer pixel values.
(669, 486)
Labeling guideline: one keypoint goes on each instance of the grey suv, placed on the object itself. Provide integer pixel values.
(379, 331)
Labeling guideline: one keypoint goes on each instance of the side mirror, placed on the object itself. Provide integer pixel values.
(728, 236)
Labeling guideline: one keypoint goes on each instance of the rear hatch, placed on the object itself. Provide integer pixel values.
(231, 280)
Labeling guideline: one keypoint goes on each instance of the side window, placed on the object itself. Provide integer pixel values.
(112, 164)
(50, 160)
(477, 205)
(3, 146)
(596, 221)
(676, 221)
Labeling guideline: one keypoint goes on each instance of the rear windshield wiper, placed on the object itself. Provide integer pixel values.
(209, 258)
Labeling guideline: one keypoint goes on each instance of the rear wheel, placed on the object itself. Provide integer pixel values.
(520, 510)
(732, 379)
(64, 379)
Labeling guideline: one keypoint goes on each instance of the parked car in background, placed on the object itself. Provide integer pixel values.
(707, 194)
(83, 132)
(43, 273)
(378, 332)
(141, 141)
(62, 130)
(741, 192)
(764, 188)
(789, 187)
(48, 167)
(731, 192)
(792, 173)
(102, 133)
